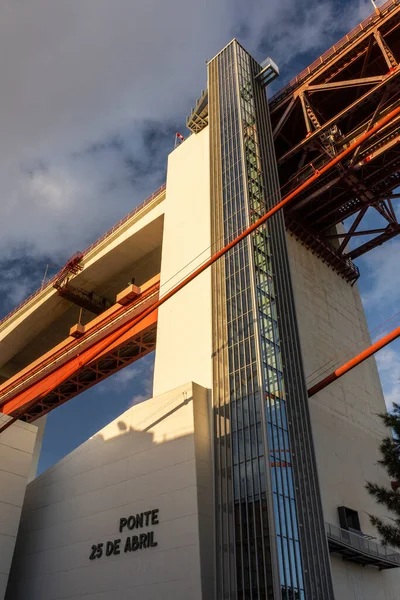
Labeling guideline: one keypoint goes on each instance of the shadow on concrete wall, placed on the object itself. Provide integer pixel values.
(47, 509)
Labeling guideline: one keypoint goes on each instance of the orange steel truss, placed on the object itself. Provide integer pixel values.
(75, 377)
(317, 115)
(106, 345)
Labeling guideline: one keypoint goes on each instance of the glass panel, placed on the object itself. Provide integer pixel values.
(256, 377)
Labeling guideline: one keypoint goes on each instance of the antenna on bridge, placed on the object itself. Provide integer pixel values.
(45, 273)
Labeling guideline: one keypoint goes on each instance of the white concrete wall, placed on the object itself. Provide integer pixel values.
(184, 336)
(347, 430)
(40, 425)
(156, 455)
(16, 448)
(354, 582)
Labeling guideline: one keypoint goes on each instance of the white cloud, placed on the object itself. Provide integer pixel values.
(13, 291)
(76, 73)
(146, 380)
(57, 209)
(380, 291)
(382, 287)
(388, 361)
(142, 369)
(288, 29)
(138, 398)
(17, 281)
(122, 378)
(138, 376)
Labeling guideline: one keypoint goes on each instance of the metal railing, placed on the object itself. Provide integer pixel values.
(55, 277)
(360, 28)
(361, 543)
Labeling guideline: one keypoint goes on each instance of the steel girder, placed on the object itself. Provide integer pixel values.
(100, 368)
(315, 117)
(116, 339)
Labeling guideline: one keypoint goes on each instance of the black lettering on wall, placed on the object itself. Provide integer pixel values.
(122, 523)
(97, 551)
(135, 543)
(116, 547)
(109, 548)
(128, 547)
(150, 537)
(139, 520)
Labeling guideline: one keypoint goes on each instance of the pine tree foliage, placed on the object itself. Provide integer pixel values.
(389, 529)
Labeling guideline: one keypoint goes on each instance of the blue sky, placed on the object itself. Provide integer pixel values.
(92, 94)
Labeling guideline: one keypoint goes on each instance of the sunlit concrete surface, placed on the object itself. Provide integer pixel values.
(17, 448)
(155, 456)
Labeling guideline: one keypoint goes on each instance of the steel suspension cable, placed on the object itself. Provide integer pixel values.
(330, 364)
(357, 360)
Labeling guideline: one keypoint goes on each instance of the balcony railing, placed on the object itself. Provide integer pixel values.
(359, 548)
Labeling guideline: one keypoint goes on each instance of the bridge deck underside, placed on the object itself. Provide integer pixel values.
(119, 337)
(122, 355)
(316, 118)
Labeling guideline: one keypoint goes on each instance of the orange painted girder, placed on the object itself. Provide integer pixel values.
(50, 382)
(58, 352)
(98, 370)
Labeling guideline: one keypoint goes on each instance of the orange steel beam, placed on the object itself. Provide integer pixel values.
(33, 381)
(36, 392)
(59, 354)
(357, 360)
(56, 389)
(76, 363)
